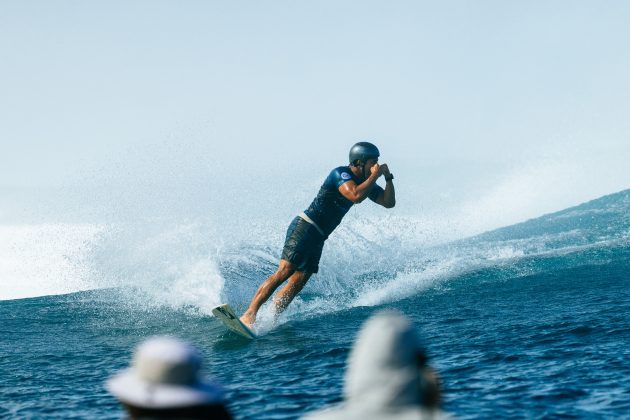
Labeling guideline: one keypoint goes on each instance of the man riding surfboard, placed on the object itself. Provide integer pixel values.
(344, 187)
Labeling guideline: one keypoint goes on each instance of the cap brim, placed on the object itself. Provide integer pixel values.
(128, 388)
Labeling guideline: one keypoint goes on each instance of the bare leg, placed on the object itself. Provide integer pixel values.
(285, 270)
(293, 287)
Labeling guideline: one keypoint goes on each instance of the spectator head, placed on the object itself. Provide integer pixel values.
(164, 381)
(387, 376)
(388, 365)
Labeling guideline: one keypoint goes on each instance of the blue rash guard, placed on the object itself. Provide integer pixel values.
(329, 207)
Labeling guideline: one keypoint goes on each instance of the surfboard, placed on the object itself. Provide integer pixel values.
(226, 314)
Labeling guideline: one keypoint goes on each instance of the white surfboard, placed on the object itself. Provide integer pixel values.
(226, 314)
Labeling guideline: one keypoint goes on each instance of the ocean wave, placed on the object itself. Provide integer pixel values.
(369, 260)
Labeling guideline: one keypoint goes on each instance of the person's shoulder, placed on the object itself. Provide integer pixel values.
(339, 175)
(342, 172)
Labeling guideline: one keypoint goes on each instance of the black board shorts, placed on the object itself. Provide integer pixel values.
(303, 245)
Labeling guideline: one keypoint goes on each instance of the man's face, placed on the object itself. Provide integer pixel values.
(371, 162)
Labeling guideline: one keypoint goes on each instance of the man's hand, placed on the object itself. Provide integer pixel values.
(385, 170)
(376, 168)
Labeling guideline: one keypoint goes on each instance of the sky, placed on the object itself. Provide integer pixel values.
(502, 100)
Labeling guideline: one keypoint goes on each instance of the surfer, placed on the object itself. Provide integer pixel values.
(344, 186)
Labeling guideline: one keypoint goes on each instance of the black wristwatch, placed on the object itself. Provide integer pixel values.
(390, 177)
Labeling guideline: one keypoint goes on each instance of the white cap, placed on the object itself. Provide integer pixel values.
(383, 380)
(382, 366)
(164, 374)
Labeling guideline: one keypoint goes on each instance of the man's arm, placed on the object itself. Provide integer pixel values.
(387, 198)
(357, 193)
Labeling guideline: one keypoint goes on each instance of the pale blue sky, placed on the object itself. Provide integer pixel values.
(452, 91)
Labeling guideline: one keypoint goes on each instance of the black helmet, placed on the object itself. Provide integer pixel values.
(363, 151)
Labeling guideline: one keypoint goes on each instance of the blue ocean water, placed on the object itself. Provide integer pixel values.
(526, 321)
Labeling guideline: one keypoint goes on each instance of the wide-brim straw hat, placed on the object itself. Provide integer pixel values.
(164, 374)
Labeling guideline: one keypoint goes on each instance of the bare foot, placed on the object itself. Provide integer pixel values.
(248, 319)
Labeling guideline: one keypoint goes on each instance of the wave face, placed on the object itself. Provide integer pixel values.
(199, 263)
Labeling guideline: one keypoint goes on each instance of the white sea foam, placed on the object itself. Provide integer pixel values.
(161, 263)
(46, 259)
(171, 266)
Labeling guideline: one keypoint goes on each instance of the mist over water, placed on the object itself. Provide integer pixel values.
(179, 223)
